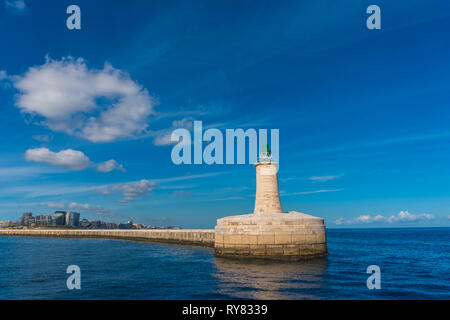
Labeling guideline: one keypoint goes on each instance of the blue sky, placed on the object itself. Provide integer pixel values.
(363, 114)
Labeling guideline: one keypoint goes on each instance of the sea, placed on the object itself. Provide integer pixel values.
(414, 263)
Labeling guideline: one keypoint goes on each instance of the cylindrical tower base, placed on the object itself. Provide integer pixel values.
(289, 236)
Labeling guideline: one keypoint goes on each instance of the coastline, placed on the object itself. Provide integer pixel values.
(201, 237)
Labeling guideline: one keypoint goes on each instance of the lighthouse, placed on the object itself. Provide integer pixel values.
(267, 199)
(269, 232)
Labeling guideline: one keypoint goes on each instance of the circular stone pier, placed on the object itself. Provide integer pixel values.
(268, 232)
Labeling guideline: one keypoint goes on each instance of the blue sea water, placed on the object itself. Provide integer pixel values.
(414, 263)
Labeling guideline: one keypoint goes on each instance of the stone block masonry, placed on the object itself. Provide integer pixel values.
(202, 237)
(269, 232)
(285, 236)
(267, 199)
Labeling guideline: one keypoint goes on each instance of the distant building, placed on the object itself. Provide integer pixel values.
(128, 225)
(70, 219)
(24, 220)
(59, 218)
(84, 223)
(44, 220)
(111, 225)
(73, 219)
(31, 222)
(97, 224)
(8, 224)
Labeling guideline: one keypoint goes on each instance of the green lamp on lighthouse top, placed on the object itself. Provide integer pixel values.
(265, 155)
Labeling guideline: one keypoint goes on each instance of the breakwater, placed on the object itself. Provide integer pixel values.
(203, 237)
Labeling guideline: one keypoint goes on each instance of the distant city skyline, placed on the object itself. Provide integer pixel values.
(363, 118)
(70, 219)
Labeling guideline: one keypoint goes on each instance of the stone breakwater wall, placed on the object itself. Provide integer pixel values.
(203, 237)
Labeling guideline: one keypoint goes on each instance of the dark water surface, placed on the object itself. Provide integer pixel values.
(415, 264)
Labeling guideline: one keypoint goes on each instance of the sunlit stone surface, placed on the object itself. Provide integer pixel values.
(268, 232)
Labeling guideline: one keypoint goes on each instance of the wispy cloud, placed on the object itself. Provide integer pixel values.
(314, 178)
(189, 177)
(132, 190)
(11, 172)
(43, 190)
(151, 220)
(16, 6)
(311, 192)
(57, 189)
(324, 178)
(163, 137)
(109, 166)
(402, 216)
(129, 190)
(52, 205)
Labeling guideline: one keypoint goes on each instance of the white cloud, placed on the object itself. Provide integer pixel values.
(70, 188)
(3, 75)
(15, 173)
(370, 219)
(109, 166)
(163, 137)
(69, 159)
(98, 105)
(97, 210)
(189, 177)
(402, 216)
(129, 190)
(324, 178)
(186, 123)
(16, 5)
(405, 216)
(5, 80)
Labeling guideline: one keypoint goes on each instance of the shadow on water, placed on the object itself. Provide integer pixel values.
(266, 279)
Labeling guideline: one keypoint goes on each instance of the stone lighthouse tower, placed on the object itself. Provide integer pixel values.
(269, 232)
(267, 198)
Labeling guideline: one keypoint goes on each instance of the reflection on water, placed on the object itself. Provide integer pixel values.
(265, 279)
